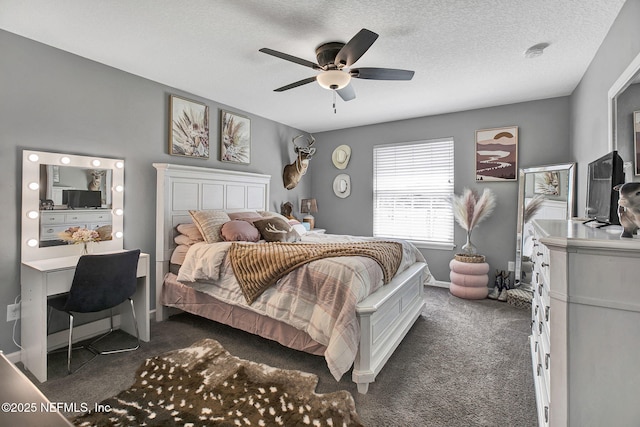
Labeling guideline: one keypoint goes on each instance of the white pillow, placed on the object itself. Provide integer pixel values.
(300, 229)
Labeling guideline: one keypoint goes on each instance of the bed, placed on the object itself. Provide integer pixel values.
(364, 341)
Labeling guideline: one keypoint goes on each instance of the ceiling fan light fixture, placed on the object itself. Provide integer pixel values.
(333, 79)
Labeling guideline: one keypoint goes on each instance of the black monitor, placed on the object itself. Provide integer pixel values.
(602, 200)
(81, 199)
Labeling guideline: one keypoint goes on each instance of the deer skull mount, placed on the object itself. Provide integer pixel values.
(293, 173)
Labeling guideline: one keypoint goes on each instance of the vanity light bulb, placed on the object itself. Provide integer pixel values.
(119, 165)
(65, 160)
(33, 214)
(95, 162)
(32, 243)
(34, 186)
(118, 212)
(119, 188)
(33, 158)
(118, 234)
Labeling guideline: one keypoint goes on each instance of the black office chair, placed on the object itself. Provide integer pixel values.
(100, 282)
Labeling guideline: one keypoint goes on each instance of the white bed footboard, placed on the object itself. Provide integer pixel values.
(385, 318)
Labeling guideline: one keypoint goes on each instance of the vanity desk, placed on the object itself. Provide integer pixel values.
(585, 324)
(47, 277)
(49, 263)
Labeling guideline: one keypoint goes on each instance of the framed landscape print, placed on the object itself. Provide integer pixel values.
(497, 154)
(235, 138)
(636, 140)
(189, 128)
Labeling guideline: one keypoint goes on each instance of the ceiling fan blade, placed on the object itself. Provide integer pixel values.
(296, 84)
(291, 58)
(347, 93)
(355, 48)
(381, 74)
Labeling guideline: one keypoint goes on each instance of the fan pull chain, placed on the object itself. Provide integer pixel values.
(334, 102)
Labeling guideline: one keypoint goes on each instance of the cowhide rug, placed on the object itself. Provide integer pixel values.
(204, 385)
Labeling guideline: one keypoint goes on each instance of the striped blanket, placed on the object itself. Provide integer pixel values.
(259, 266)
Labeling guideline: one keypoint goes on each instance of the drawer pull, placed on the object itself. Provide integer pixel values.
(546, 414)
(540, 286)
(547, 356)
(535, 347)
(544, 264)
(539, 253)
(547, 309)
(535, 311)
(539, 369)
(540, 327)
(533, 322)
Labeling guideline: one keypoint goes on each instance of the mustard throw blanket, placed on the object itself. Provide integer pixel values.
(258, 266)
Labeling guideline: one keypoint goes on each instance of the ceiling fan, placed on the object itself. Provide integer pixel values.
(335, 60)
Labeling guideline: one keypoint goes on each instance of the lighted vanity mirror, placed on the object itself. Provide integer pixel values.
(63, 191)
(72, 196)
(552, 189)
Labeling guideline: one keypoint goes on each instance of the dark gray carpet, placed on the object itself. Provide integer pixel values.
(464, 363)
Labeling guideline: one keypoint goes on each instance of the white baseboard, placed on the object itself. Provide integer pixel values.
(441, 284)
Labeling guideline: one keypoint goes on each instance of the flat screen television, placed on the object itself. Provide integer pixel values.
(81, 199)
(602, 200)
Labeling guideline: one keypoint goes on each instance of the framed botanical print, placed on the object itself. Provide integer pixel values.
(547, 183)
(636, 140)
(235, 138)
(189, 128)
(497, 154)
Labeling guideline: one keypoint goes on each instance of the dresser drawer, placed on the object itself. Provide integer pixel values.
(541, 383)
(51, 231)
(88, 217)
(51, 218)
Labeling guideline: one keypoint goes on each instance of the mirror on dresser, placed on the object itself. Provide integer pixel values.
(61, 191)
(552, 189)
(624, 99)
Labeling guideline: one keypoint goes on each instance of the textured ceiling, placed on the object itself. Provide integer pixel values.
(466, 53)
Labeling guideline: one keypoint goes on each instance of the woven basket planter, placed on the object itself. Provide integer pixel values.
(469, 258)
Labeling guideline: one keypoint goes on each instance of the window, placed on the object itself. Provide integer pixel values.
(412, 191)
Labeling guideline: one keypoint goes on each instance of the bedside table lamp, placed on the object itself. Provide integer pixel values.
(309, 206)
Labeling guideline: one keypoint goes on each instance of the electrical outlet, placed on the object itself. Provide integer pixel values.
(13, 312)
(512, 265)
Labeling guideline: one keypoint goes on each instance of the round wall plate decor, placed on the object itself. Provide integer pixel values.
(342, 185)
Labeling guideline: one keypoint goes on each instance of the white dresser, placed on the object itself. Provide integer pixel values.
(585, 322)
(53, 222)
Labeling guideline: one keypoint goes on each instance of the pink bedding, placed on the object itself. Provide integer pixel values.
(318, 298)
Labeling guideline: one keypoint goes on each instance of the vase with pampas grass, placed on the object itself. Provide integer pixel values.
(469, 210)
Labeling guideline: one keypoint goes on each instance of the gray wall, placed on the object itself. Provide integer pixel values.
(55, 101)
(543, 138)
(589, 121)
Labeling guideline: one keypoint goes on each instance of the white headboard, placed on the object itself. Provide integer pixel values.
(181, 188)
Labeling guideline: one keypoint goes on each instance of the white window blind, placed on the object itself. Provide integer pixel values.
(412, 190)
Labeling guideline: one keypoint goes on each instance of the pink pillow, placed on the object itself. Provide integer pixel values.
(248, 216)
(191, 231)
(239, 231)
